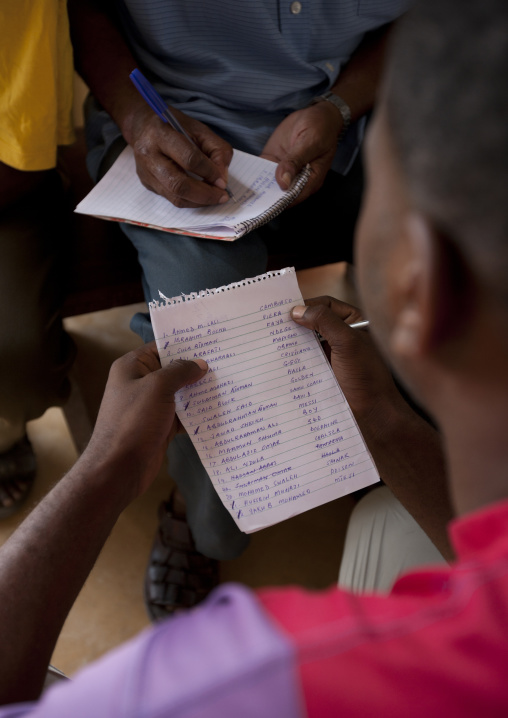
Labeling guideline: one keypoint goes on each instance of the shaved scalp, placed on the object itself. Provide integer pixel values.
(447, 108)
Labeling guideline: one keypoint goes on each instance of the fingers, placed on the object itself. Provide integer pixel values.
(135, 364)
(327, 316)
(287, 171)
(182, 372)
(288, 168)
(307, 136)
(218, 150)
(304, 153)
(145, 360)
(187, 175)
(318, 171)
(165, 172)
(303, 150)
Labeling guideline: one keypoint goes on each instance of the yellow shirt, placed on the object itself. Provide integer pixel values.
(36, 81)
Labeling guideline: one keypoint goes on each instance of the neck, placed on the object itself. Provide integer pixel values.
(475, 433)
(467, 386)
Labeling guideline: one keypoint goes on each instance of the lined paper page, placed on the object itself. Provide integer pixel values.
(269, 420)
(120, 195)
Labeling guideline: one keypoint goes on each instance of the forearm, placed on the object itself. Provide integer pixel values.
(44, 565)
(104, 61)
(166, 162)
(407, 450)
(46, 561)
(358, 82)
(409, 456)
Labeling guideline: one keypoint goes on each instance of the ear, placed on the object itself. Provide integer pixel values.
(433, 291)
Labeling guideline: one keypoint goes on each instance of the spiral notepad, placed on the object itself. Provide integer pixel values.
(120, 196)
(269, 420)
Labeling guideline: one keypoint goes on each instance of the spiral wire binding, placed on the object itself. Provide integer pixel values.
(249, 224)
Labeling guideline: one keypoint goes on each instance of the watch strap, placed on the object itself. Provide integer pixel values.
(341, 105)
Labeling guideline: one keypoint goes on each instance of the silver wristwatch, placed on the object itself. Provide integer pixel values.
(342, 107)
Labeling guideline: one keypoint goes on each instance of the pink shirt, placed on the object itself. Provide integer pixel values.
(437, 646)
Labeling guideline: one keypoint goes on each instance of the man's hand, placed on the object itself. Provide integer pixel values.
(307, 136)
(164, 157)
(137, 418)
(46, 561)
(361, 372)
(406, 449)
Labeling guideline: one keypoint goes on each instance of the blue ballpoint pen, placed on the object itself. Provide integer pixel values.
(152, 97)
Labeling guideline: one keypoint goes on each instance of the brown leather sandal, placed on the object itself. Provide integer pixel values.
(17, 473)
(177, 576)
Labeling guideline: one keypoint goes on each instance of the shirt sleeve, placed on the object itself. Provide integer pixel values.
(223, 658)
(36, 83)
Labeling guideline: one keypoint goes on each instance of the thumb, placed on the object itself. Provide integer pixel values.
(289, 167)
(182, 372)
(327, 316)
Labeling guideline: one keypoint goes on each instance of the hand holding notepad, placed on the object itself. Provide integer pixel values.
(258, 198)
(269, 420)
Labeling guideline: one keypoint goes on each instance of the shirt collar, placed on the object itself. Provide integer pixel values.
(479, 530)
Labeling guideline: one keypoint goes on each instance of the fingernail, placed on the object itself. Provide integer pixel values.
(220, 183)
(201, 363)
(298, 312)
(287, 179)
(224, 199)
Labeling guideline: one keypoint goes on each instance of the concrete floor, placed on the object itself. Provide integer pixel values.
(305, 550)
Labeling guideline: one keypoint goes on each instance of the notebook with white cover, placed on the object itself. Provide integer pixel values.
(121, 197)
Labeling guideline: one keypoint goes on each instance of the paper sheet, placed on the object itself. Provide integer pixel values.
(269, 420)
(121, 196)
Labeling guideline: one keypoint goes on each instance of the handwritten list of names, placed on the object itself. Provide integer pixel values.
(269, 420)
